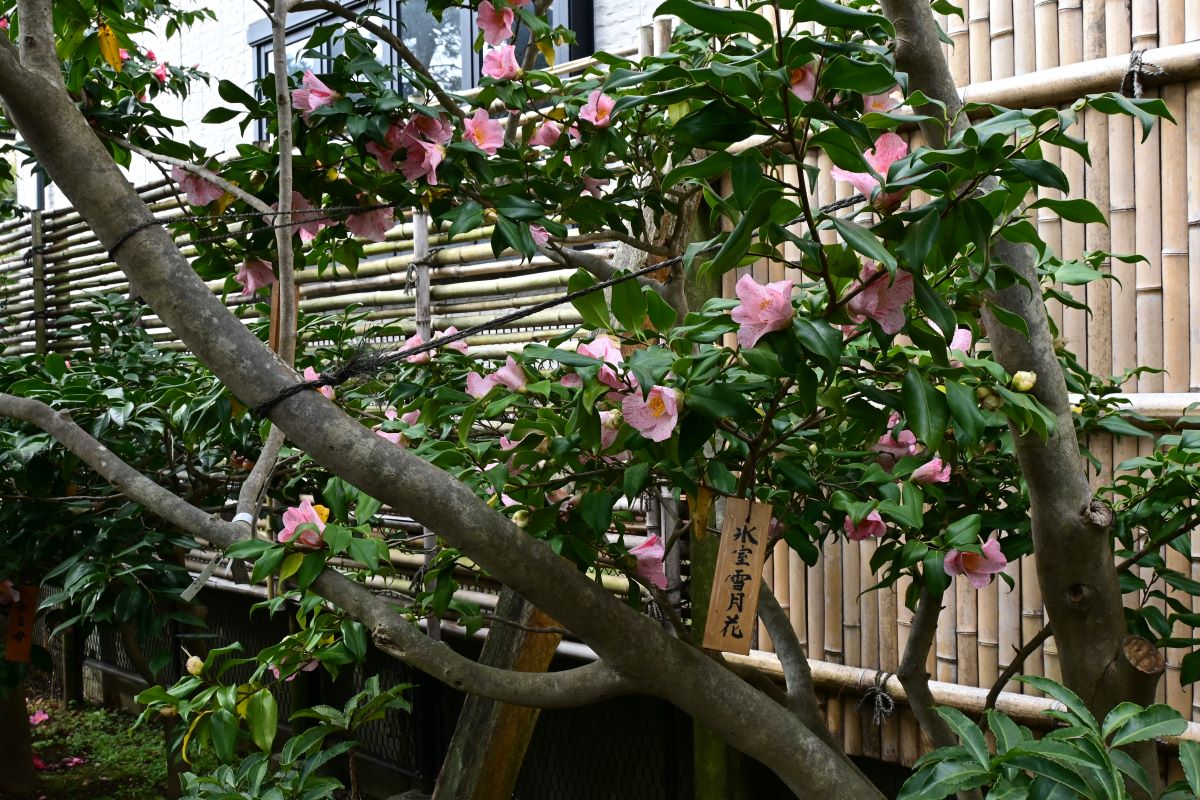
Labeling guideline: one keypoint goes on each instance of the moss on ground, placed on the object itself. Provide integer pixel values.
(96, 754)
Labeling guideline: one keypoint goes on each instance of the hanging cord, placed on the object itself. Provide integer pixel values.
(1131, 81)
(877, 700)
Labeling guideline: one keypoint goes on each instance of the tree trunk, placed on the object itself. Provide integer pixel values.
(17, 775)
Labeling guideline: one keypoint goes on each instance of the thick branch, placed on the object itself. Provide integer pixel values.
(38, 53)
(393, 41)
(256, 481)
(801, 694)
(394, 634)
(915, 679)
(285, 310)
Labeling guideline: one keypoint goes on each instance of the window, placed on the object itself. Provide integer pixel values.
(444, 47)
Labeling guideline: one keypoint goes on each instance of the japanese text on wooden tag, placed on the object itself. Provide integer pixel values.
(19, 641)
(733, 603)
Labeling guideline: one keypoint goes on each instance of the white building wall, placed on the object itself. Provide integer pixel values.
(220, 48)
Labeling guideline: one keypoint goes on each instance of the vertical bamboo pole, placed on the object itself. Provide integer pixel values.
(1122, 219)
(1010, 622)
(868, 639)
(782, 585)
(851, 639)
(834, 649)
(1070, 51)
(1047, 56)
(763, 639)
(1192, 123)
(1148, 231)
(987, 649)
(966, 631)
(960, 52)
(945, 646)
(1097, 237)
(1003, 40)
(1032, 617)
(1024, 37)
(1175, 324)
(797, 605)
(889, 661)
(38, 266)
(980, 35)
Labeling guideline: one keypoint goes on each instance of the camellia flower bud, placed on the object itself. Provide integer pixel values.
(168, 711)
(195, 665)
(1024, 381)
(521, 518)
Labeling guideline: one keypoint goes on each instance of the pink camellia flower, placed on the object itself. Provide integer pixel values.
(123, 53)
(484, 132)
(372, 225)
(763, 309)
(880, 103)
(311, 374)
(496, 25)
(893, 445)
(610, 426)
(546, 134)
(604, 348)
(649, 555)
(501, 63)
(422, 139)
(38, 717)
(962, 340)
(395, 437)
(653, 416)
(889, 148)
(510, 376)
(411, 417)
(418, 358)
(979, 569)
(312, 94)
(199, 191)
(305, 518)
(308, 667)
(933, 471)
(593, 185)
(598, 109)
(804, 83)
(540, 235)
(422, 161)
(4, 23)
(160, 72)
(871, 527)
(883, 298)
(304, 219)
(8, 593)
(460, 345)
(571, 380)
(254, 275)
(150, 55)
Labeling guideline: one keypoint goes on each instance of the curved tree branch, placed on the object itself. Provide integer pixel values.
(393, 634)
(915, 679)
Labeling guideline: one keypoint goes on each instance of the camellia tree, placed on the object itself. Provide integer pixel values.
(883, 392)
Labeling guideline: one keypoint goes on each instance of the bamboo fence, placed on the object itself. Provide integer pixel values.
(1023, 53)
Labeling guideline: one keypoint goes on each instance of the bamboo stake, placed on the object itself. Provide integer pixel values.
(960, 51)
(797, 607)
(889, 661)
(966, 631)
(834, 649)
(851, 638)
(780, 562)
(764, 640)
(1192, 123)
(979, 36)
(1122, 215)
(910, 735)
(946, 646)
(1032, 617)
(1003, 39)
(1024, 37)
(987, 647)
(868, 640)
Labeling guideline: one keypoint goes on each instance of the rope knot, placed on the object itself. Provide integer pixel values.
(877, 700)
(1138, 69)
